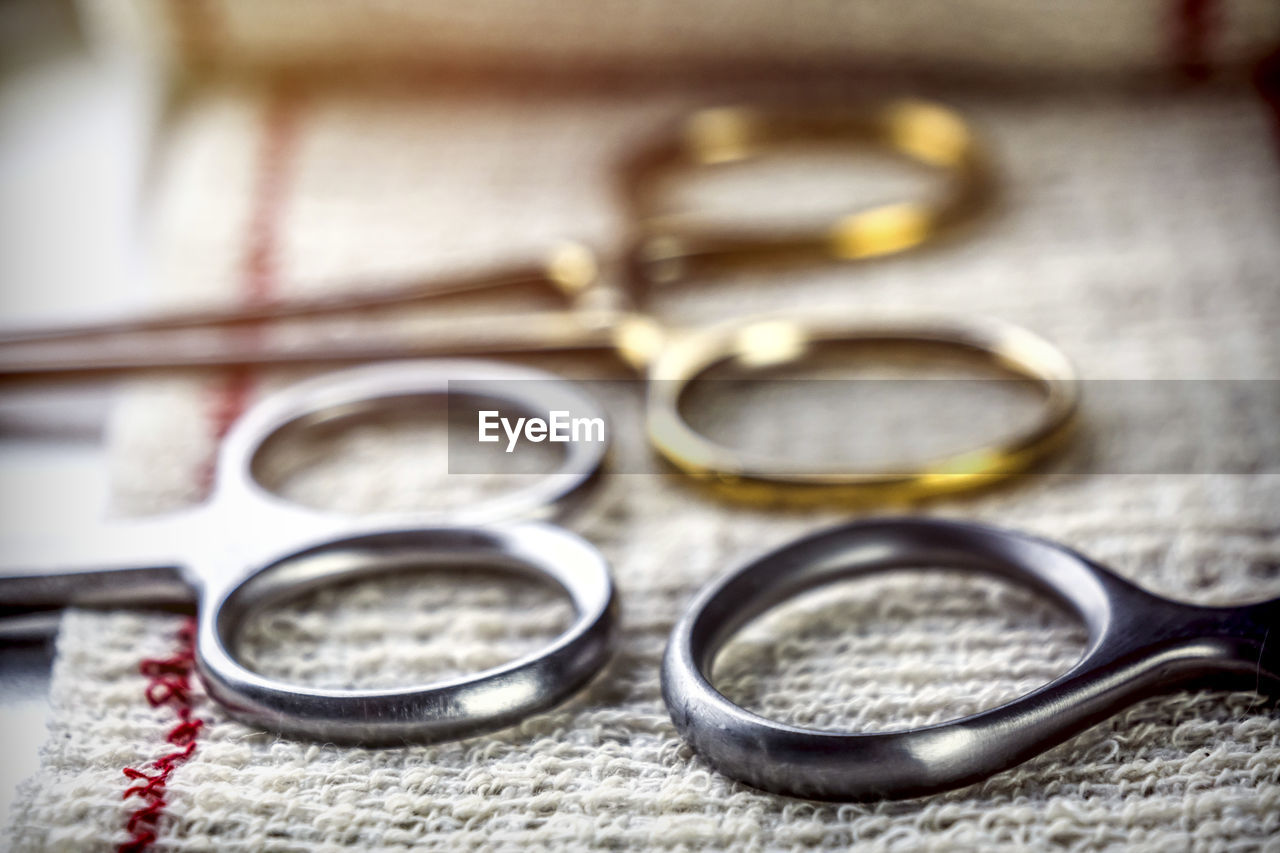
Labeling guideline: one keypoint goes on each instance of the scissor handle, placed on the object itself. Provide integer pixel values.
(772, 340)
(454, 708)
(246, 548)
(1139, 645)
(358, 391)
(316, 548)
(670, 246)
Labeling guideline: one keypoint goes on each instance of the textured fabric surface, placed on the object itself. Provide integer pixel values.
(1137, 233)
(653, 36)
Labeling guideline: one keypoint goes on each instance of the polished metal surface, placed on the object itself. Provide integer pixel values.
(609, 308)
(247, 547)
(456, 708)
(759, 478)
(1139, 645)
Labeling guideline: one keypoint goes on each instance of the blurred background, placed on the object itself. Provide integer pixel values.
(76, 120)
(162, 152)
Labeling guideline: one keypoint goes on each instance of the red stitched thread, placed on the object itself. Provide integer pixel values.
(170, 678)
(169, 684)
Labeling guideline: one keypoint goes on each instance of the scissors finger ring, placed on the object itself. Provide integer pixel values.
(246, 548)
(1139, 645)
(444, 710)
(608, 301)
(768, 341)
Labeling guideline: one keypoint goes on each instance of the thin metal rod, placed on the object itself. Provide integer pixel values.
(24, 595)
(335, 305)
(538, 332)
(125, 563)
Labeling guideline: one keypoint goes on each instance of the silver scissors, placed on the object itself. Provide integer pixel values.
(246, 548)
(1139, 645)
(607, 295)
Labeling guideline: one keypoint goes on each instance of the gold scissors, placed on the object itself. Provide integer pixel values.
(607, 297)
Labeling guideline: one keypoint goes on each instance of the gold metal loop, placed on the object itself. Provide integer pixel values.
(672, 246)
(776, 340)
(607, 312)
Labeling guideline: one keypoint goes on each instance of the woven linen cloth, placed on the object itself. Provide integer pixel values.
(1137, 232)
(1092, 37)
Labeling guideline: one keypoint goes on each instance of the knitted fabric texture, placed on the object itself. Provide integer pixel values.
(1138, 233)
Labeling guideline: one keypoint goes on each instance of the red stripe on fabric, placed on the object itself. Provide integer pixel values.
(169, 679)
(1193, 27)
(198, 30)
(259, 265)
(1266, 77)
(279, 139)
(226, 401)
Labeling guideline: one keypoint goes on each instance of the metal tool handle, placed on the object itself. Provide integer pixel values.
(458, 707)
(144, 562)
(130, 563)
(772, 340)
(361, 391)
(670, 247)
(1139, 645)
(661, 247)
(370, 297)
